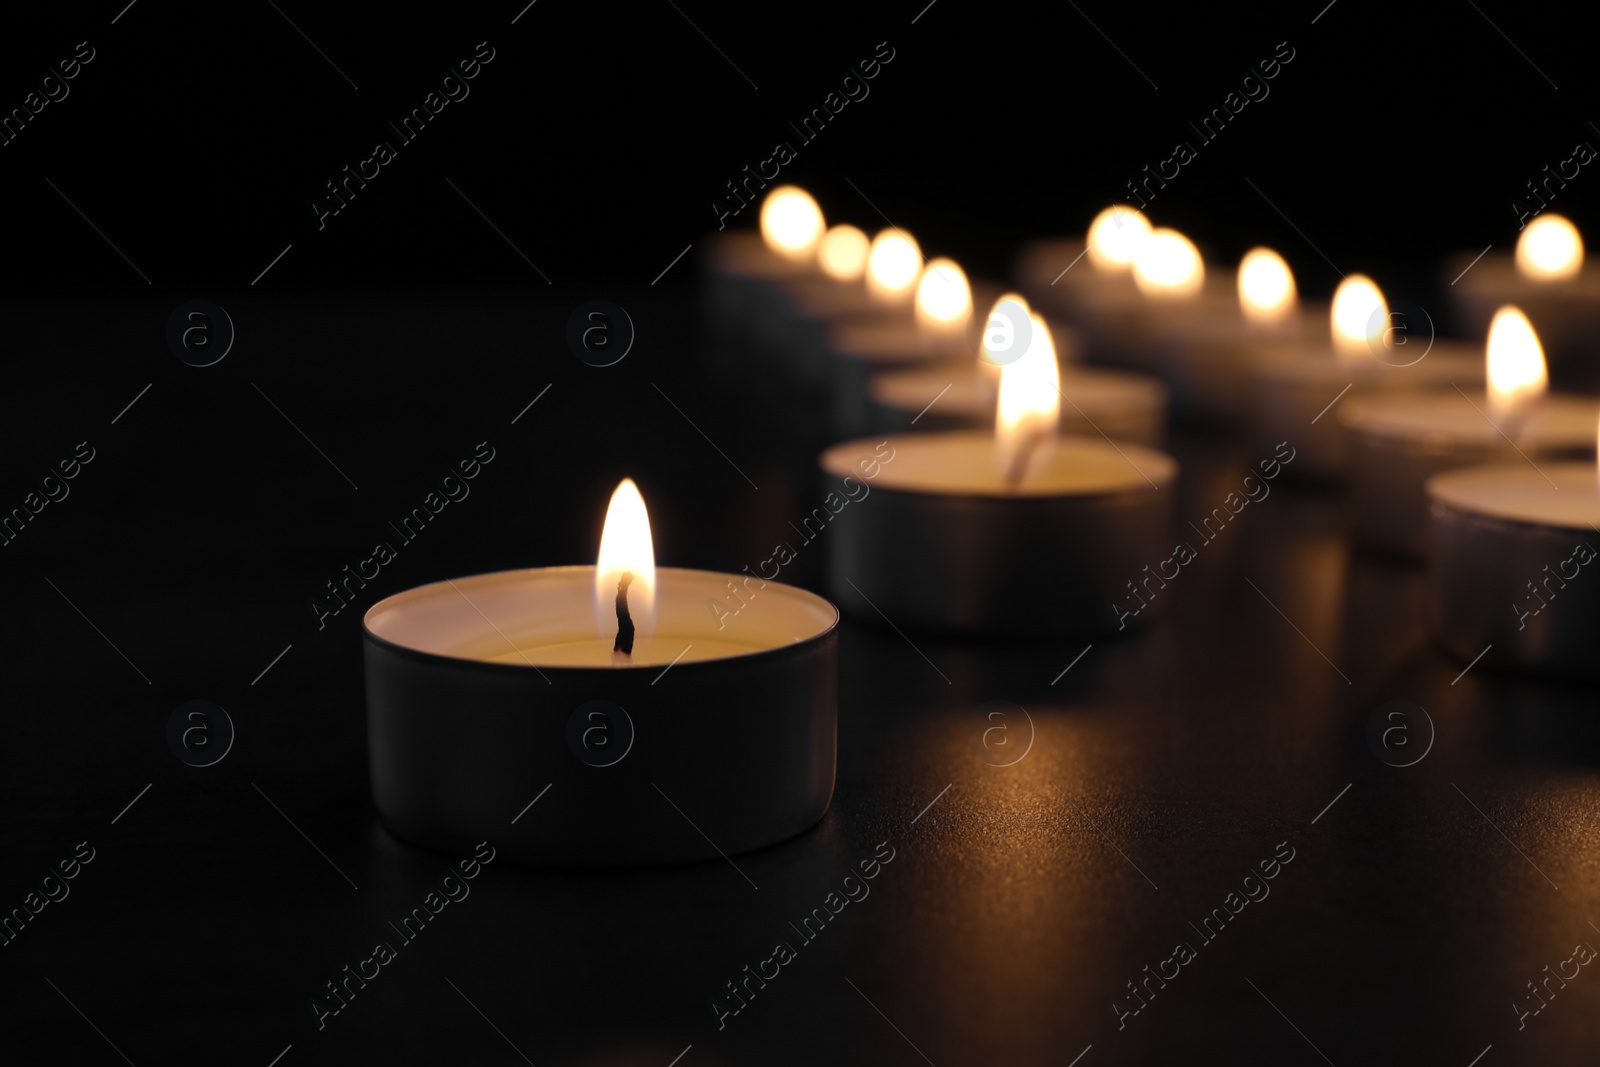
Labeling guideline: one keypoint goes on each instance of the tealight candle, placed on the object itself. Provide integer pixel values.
(951, 396)
(1177, 295)
(1510, 576)
(744, 305)
(1089, 279)
(861, 345)
(815, 300)
(1296, 388)
(894, 263)
(1206, 358)
(616, 686)
(743, 264)
(1011, 532)
(1547, 277)
(1399, 442)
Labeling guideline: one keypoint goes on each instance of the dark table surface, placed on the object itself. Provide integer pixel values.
(1022, 899)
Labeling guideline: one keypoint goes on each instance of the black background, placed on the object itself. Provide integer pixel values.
(407, 330)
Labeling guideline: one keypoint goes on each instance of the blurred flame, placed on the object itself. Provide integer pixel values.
(892, 266)
(1000, 332)
(791, 222)
(1030, 395)
(944, 299)
(1516, 368)
(1549, 250)
(1114, 238)
(625, 545)
(1266, 287)
(1360, 317)
(843, 253)
(1167, 264)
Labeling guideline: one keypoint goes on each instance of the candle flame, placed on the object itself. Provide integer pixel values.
(892, 266)
(1167, 264)
(843, 253)
(1266, 287)
(1030, 395)
(625, 545)
(1516, 371)
(944, 299)
(1549, 250)
(791, 222)
(1006, 327)
(1114, 238)
(1360, 317)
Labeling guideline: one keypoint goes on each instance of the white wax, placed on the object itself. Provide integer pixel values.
(544, 617)
(1566, 313)
(965, 463)
(1225, 324)
(1316, 363)
(1090, 394)
(1449, 417)
(1496, 276)
(1564, 495)
(899, 340)
(746, 254)
(1058, 267)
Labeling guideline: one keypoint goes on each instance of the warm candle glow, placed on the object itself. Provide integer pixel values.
(791, 222)
(1266, 287)
(1549, 250)
(625, 545)
(1516, 369)
(1006, 328)
(1114, 238)
(892, 266)
(1167, 264)
(843, 253)
(1030, 396)
(1360, 317)
(944, 299)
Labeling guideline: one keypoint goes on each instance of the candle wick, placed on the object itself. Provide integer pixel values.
(1019, 462)
(622, 648)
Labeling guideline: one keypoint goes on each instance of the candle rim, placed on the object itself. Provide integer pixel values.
(1450, 490)
(905, 389)
(631, 670)
(1156, 466)
(1555, 420)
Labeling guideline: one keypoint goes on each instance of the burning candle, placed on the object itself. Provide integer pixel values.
(1089, 279)
(843, 253)
(1167, 266)
(1547, 277)
(745, 306)
(615, 684)
(1014, 530)
(1298, 386)
(936, 330)
(1207, 357)
(1549, 250)
(943, 302)
(1186, 311)
(1178, 299)
(1267, 293)
(1512, 577)
(1114, 239)
(948, 396)
(1399, 442)
(894, 262)
(816, 299)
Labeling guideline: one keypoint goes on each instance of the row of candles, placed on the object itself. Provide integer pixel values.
(1014, 491)
(1453, 452)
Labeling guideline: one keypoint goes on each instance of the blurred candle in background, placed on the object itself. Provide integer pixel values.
(893, 264)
